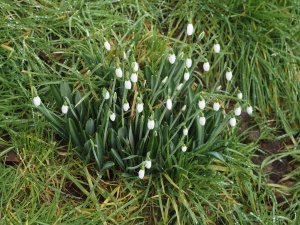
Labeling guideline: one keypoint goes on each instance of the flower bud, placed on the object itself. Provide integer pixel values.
(238, 111)
(119, 72)
(134, 78)
(240, 95)
(201, 104)
(140, 107)
(202, 120)
(188, 63)
(150, 124)
(126, 106)
(190, 29)
(37, 101)
(106, 95)
(141, 173)
(64, 109)
(107, 46)
(185, 132)
(178, 88)
(169, 104)
(216, 106)
(148, 164)
(249, 110)
(186, 76)
(135, 67)
(232, 122)
(172, 58)
(112, 117)
(206, 66)
(127, 84)
(164, 80)
(228, 75)
(183, 148)
(217, 48)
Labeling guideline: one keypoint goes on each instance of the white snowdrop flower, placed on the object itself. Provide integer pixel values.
(232, 121)
(185, 132)
(150, 124)
(178, 88)
(228, 75)
(249, 110)
(64, 109)
(206, 66)
(119, 72)
(169, 104)
(238, 111)
(183, 148)
(183, 108)
(134, 78)
(127, 84)
(37, 101)
(172, 58)
(107, 46)
(217, 48)
(190, 29)
(186, 76)
(240, 95)
(164, 80)
(106, 95)
(124, 55)
(112, 117)
(202, 120)
(201, 104)
(135, 67)
(141, 173)
(188, 63)
(140, 107)
(148, 164)
(216, 106)
(126, 106)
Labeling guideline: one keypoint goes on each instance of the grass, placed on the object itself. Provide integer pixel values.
(50, 185)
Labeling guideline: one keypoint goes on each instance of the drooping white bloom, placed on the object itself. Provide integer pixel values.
(178, 88)
(150, 124)
(141, 173)
(228, 75)
(124, 55)
(217, 48)
(249, 110)
(201, 104)
(169, 104)
(37, 101)
(240, 95)
(202, 120)
(134, 78)
(164, 80)
(112, 117)
(127, 84)
(119, 72)
(190, 29)
(148, 164)
(126, 106)
(135, 67)
(188, 63)
(106, 95)
(140, 107)
(232, 121)
(172, 58)
(186, 76)
(64, 109)
(183, 108)
(216, 106)
(185, 132)
(206, 66)
(238, 111)
(107, 46)
(183, 148)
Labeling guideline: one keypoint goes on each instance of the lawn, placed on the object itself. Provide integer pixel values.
(149, 112)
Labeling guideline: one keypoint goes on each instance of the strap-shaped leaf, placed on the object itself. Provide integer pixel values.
(90, 127)
(65, 90)
(118, 158)
(75, 134)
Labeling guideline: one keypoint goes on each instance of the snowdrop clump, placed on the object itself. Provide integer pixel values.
(159, 110)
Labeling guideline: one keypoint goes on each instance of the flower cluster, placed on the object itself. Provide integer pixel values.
(142, 119)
